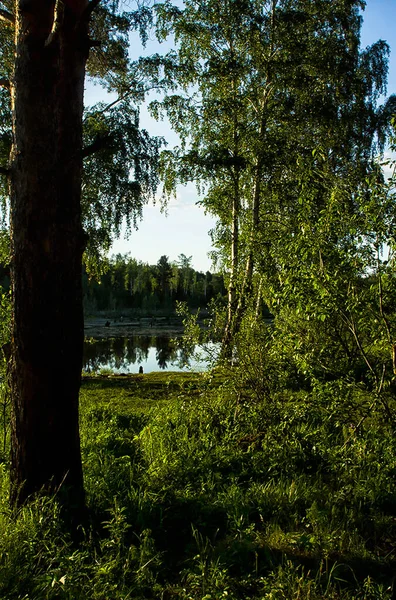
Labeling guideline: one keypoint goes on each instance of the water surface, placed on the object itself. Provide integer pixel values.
(153, 353)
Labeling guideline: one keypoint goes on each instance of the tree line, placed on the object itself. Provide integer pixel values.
(132, 285)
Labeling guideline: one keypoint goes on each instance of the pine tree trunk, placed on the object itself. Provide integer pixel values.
(47, 242)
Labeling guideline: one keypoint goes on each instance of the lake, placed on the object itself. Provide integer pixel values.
(152, 352)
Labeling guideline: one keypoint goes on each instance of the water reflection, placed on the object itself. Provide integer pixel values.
(126, 355)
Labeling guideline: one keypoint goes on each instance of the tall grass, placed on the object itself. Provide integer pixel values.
(196, 491)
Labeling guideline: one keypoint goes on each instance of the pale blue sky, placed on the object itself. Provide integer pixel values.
(184, 228)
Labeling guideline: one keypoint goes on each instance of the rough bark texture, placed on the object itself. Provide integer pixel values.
(47, 246)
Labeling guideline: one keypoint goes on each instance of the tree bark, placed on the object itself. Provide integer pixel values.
(226, 351)
(47, 243)
(247, 286)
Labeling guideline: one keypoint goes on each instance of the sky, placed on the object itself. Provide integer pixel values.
(184, 227)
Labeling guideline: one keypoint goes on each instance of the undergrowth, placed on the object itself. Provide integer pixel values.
(198, 491)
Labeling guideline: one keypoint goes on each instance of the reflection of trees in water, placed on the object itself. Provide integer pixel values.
(111, 353)
(145, 342)
(96, 354)
(166, 351)
(121, 353)
(184, 357)
(131, 351)
(118, 359)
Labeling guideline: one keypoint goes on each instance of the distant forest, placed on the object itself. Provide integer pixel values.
(132, 285)
(129, 284)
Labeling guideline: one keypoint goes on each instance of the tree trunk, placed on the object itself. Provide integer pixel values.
(247, 286)
(47, 242)
(226, 351)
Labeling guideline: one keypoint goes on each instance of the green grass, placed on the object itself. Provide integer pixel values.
(197, 490)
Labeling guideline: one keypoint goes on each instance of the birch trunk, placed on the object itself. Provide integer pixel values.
(232, 289)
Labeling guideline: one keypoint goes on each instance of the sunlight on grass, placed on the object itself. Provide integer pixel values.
(195, 494)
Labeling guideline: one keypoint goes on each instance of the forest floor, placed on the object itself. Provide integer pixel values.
(200, 487)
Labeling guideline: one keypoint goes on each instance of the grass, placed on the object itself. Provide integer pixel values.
(198, 491)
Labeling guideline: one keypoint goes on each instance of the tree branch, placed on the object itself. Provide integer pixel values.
(5, 83)
(98, 144)
(94, 43)
(5, 15)
(89, 9)
(382, 312)
(4, 171)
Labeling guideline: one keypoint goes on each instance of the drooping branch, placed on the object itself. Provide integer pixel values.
(6, 16)
(123, 96)
(110, 105)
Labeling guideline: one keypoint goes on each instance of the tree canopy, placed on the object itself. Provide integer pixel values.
(270, 94)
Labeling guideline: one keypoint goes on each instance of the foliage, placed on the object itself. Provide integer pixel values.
(120, 176)
(121, 160)
(272, 96)
(196, 490)
(131, 285)
(272, 475)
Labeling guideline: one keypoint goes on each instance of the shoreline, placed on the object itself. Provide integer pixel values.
(129, 332)
(98, 328)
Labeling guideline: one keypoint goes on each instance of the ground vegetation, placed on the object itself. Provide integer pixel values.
(201, 488)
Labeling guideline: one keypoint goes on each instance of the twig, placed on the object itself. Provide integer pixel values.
(358, 426)
(5, 15)
(352, 328)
